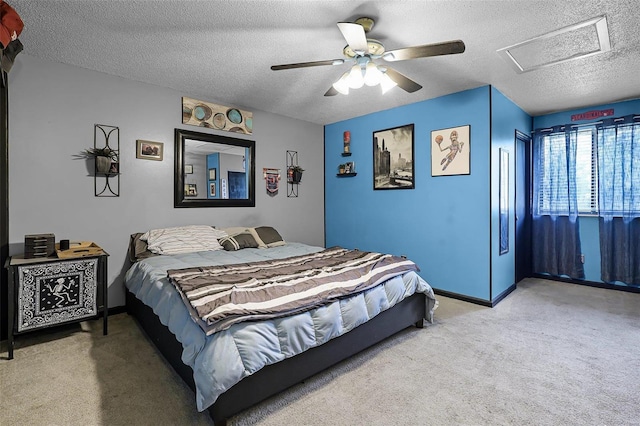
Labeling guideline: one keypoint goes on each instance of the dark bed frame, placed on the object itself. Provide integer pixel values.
(277, 377)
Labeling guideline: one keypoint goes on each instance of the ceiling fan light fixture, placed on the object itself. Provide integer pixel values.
(386, 83)
(355, 79)
(373, 75)
(342, 86)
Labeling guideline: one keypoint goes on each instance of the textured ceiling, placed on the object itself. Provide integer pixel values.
(221, 51)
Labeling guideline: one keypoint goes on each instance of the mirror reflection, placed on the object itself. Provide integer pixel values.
(213, 170)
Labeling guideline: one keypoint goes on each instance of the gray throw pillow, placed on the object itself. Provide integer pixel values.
(238, 242)
(269, 236)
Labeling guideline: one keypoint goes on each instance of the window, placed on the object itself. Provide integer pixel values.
(618, 160)
(552, 180)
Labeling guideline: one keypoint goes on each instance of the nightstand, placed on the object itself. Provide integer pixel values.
(47, 292)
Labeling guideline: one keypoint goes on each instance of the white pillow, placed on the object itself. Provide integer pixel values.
(183, 239)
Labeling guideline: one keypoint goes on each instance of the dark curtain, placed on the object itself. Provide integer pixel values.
(620, 251)
(555, 223)
(619, 199)
(556, 246)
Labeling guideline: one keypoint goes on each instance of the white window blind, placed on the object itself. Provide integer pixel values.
(552, 178)
(619, 160)
(587, 172)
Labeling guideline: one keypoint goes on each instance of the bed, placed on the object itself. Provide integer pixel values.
(233, 364)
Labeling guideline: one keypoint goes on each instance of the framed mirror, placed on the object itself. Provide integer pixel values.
(213, 170)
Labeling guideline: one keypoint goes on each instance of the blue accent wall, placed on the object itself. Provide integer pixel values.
(589, 228)
(448, 225)
(506, 118)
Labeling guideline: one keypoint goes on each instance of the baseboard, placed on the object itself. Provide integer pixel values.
(462, 297)
(598, 284)
(504, 294)
(475, 300)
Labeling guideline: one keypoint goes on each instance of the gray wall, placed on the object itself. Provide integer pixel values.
(52, 110)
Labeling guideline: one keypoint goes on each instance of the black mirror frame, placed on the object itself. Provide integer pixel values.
(179, 199)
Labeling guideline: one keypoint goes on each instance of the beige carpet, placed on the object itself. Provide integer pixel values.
(549, 354)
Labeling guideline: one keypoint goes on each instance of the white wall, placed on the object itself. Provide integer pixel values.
(52, 111)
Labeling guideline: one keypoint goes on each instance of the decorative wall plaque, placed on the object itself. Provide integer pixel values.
(219, 117)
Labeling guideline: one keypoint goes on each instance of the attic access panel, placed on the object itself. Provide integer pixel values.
(577, 41)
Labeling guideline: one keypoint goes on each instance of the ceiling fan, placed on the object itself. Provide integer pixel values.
(363, 51)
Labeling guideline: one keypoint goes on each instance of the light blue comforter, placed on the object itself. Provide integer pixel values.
(223, 359)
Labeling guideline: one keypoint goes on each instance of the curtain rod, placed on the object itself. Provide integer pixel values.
(635, 117)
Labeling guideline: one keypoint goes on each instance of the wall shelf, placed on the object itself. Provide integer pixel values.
(346, 174)
(346, 154)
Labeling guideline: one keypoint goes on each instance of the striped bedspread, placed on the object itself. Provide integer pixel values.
(220, 296)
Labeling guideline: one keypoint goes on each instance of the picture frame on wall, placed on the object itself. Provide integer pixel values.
(212, 189)
(148, 150)
(350, 167)
(393, 158)
(212, 174)
(188, 169)
(190, 190)
(451, 151)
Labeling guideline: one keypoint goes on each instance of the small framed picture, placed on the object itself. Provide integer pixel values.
(212, 174)
(148, 150)
(350, 167)
(188, 169)
(212, 189)
(190, 190)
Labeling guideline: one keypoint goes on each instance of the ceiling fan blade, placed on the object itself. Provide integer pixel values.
(308, 64)
(403, 82)
(331, 92)
(424, 51)
(355, 36)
